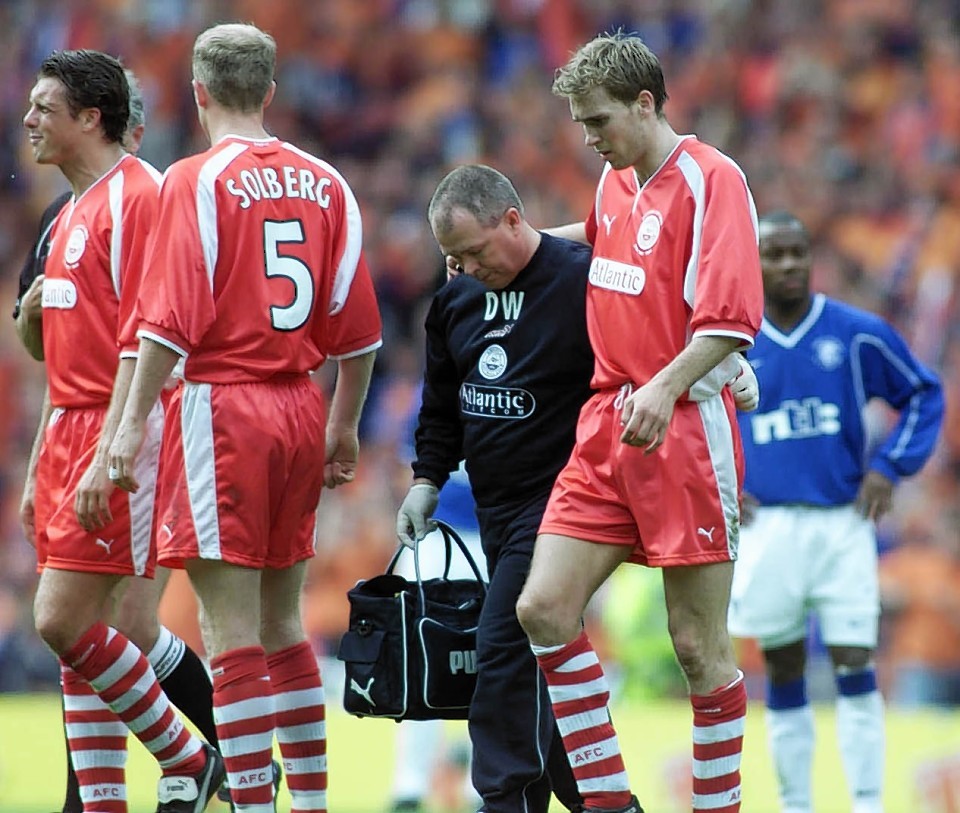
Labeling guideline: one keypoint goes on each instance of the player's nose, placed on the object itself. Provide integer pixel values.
(470, 267)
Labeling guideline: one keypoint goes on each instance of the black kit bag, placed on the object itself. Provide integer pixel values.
(411, 650)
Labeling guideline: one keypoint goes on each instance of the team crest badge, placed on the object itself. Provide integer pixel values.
(828, 353)
(493, 362)
(76, 244)
(649, 232)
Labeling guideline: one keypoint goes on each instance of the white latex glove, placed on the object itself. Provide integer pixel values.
(745, 387)
(413, 518)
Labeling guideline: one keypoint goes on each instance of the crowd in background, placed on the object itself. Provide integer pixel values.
(846, 112)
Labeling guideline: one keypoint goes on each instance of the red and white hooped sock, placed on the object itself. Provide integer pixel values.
(580, 696)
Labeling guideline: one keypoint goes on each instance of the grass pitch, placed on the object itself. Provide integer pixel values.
(923, 753)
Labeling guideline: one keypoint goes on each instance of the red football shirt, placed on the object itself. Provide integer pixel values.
(673, 258)
(92, 275)
(257, 268)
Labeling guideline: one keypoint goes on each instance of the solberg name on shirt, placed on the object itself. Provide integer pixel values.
(269, 183)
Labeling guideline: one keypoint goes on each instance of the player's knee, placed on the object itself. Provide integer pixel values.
(526, 614)
(691, 654)
(542, 619)
(277, 634)
(142, 628)
(53, 629)
(785, 664)
(531, 616)
(135, 611)
(850, 658)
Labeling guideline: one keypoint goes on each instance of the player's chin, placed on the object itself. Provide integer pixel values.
(615, 161)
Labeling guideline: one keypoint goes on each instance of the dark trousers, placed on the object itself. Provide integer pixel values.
(518, 756)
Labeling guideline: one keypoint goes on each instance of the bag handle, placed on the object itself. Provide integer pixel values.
(449, 536)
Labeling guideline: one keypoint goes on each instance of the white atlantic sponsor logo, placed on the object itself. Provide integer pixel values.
(507, 403)
(828, 353)
(493, 362)
(76, 245)
(617, 276)
(59, 293)
(649, 232)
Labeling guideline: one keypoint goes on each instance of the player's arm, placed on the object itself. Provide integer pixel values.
(744, 385)
(154, 365)
(891, 372)
(570, 231)
(29, 321)
(583, 231)
(647, 412)
(92, 503)
(438, 438)
(28, 312)
(343, 438)
(28, 500)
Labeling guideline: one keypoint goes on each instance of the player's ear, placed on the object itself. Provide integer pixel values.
(89, 118)
(200, 95)
(270, 93)
(645, 102)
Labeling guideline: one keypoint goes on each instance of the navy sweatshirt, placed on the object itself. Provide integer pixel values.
(506, 374)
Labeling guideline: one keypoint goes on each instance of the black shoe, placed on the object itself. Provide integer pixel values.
(190, 794)
(633, 807)
(223, 793)
(407, 806)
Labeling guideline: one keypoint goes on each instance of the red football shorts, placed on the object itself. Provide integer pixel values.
(676, 506)
(241, 473)
(124, 546)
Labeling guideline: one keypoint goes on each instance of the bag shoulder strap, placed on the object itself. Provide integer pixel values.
(450, 537)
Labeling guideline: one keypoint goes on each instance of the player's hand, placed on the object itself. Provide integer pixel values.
(748, 509)
(413, 518)
(123, 454)
(31, 303)
(645, 418)
(340, 462)
(28, 509)
(93, 498)
(454, 269)
(875, 496)
(745, 387)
